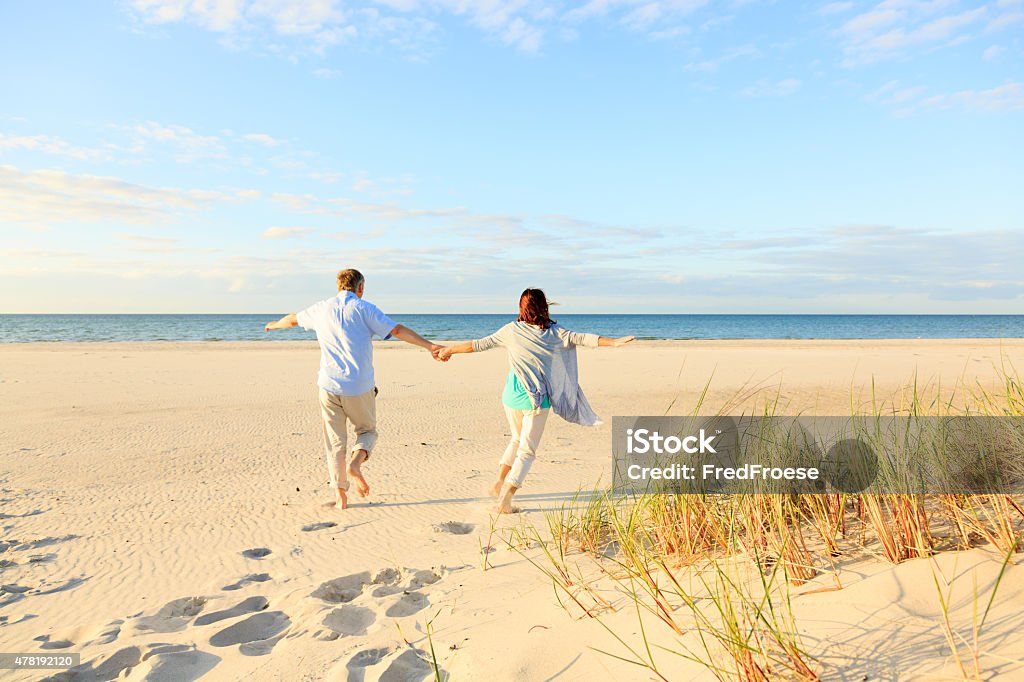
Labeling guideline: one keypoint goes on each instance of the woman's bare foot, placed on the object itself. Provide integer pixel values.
(354, 472)
(503, 470)
(340, 499)
(505, 505)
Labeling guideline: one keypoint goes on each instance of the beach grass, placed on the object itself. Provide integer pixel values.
(723, 566)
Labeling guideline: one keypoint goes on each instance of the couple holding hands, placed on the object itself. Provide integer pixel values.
(542, 377)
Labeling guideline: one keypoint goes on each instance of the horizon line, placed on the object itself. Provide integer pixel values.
(632, 314)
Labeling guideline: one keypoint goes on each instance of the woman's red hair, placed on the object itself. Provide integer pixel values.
(533, 308)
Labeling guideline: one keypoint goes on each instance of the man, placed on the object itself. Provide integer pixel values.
(344, 326)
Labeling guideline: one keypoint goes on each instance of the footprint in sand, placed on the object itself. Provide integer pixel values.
(172, 616)
(100, 668)
(342, 590)
(367, 658)
(349, 620)
(321, 525)
(85, 637)
(48, 643)
(424, 578)
(408, 604)
(11, 593)
(178, 662)
(387, 580)
(454, 528)
(256, 553)
(246, 606)
(256, 635)
(245, 580)
(409, 666)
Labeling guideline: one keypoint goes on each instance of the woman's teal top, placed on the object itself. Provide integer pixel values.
(515, 396)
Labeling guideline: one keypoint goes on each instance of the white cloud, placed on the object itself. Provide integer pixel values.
(835, 8)
(52, 145)
(142, 243)
(326, 177)
(43, 197)
(276, 232)
(999, 23)
(892, 27)
(864, 25)
(522, 35)
(910, 100)
(322, 23)
(146, 239)
(408, 25)
(602, 8)
(188, 145)
(287, 17)
(1008, 97)
(714, 63)
(992, 53)
(290, 17)
(782, 88)
(942, 28)
(643, 16)
(363, 185)
(893, 93)
(262, 138)
(670, 33)
(327, 74)
(215, 15)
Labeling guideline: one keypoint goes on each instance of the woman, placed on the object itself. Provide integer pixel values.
(542, 377)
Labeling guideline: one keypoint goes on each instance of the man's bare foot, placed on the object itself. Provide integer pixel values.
(340, 499)
(496, 488)
(354, 472)
(362, 487)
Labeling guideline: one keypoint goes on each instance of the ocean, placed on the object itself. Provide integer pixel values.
(31, 328)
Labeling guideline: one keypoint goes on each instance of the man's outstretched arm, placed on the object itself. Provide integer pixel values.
(288, 321)
(409, 336)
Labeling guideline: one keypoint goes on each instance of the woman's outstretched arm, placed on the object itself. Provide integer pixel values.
(621, 341)
(495, 340)
(448, 351)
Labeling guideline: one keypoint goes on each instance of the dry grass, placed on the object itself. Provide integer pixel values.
(746, 628)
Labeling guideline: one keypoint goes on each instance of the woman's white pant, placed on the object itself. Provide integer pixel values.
(527, 427)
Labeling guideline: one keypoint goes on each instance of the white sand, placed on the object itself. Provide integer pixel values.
(135, 477)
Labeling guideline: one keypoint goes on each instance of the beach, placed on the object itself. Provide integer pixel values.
(148, 487)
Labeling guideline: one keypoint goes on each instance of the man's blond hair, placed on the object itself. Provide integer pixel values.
(349, 280)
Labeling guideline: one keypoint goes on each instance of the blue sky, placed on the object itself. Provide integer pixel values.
(626, 155)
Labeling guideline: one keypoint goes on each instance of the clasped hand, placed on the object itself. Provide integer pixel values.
(441, 353)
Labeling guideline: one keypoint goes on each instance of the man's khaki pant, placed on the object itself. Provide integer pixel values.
(337, 411)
